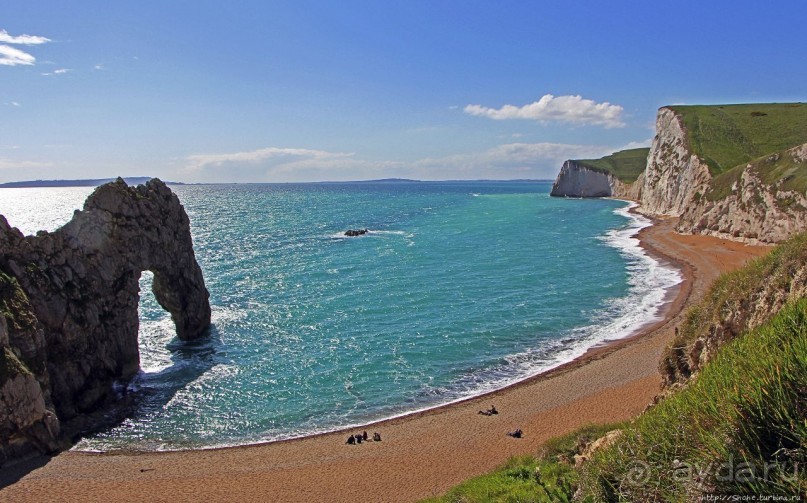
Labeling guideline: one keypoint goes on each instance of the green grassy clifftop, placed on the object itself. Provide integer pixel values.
(725, 136)
(626, 165)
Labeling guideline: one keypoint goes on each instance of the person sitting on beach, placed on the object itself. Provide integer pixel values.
(376, 437)
(350, 440)
(358, 438)
(491, 411)
(515, 434)
(364, 435)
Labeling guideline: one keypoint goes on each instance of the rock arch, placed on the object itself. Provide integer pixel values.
(82, 284)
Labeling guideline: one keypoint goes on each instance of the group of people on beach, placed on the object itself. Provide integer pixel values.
(358, 438)
(362, 437)
(517, 433)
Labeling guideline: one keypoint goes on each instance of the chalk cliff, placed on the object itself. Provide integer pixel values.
(754, 202)
(754, 210)
(77, 290)
(674, 175)
(578, 180)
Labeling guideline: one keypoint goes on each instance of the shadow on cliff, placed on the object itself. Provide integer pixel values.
(145, 395)
(148, 393)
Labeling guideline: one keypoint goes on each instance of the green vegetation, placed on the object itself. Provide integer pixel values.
(726, 136)
(778, 168)
(626, 165)
(14, 305)
(740, 428)
(548, 477)
(10, 365)
(726, 310)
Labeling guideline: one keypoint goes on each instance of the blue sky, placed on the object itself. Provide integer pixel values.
(265, 91)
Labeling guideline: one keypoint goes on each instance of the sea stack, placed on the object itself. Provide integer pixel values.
(69, 309)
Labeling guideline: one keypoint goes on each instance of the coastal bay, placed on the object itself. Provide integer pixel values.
(422, 454)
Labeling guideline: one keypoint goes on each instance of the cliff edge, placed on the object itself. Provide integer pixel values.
(69, 317)
(614, 175)
(730, 171)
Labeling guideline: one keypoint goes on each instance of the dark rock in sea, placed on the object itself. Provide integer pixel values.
(356, 232)
(68, 309)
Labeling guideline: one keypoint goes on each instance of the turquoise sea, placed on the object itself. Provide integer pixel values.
(459, 288)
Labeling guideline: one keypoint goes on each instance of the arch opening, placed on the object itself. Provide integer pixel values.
(155, 330)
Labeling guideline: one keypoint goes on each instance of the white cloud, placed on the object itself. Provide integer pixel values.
(272, 164)
(11, 164)
(15, 104)
(22, 39)
(99, 66)
(539, 160)
(637, 144)
(572, 109)
(10, 56)
(276, 156)
(60, 71)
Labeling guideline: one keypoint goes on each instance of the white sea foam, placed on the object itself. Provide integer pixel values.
(650, 282)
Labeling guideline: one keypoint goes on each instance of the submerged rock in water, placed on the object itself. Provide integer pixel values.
(356, 232)
(70, 298)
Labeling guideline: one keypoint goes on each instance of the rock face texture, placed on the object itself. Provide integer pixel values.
(677, 183)
(754, 211)
(80, 286)
(28, 424)
(577, 180)
(674, 175)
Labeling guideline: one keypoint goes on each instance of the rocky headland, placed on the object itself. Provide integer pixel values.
(69, 310)
(690, 172)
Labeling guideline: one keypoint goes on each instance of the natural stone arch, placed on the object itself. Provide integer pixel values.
(82, 282)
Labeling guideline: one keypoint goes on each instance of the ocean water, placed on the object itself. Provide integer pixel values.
(459, 288)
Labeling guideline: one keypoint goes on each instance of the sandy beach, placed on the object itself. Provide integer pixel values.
(420, 455)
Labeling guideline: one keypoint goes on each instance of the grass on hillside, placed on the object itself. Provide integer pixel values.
(548, 477)
(727, 303)
(739, 429)
(626, 165)
(725, 136)
(772, 169)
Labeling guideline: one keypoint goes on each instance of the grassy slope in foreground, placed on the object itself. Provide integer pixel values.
(725, 136)
(541, 478)
(739, 429)
(626, 165)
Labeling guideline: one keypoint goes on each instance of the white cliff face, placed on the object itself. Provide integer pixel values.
(632, 191)
(754, 212)
(676, 183)
(576, 180)
(674, 175)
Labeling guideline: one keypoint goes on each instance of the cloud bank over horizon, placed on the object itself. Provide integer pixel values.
(269, 164)
(570, 109)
